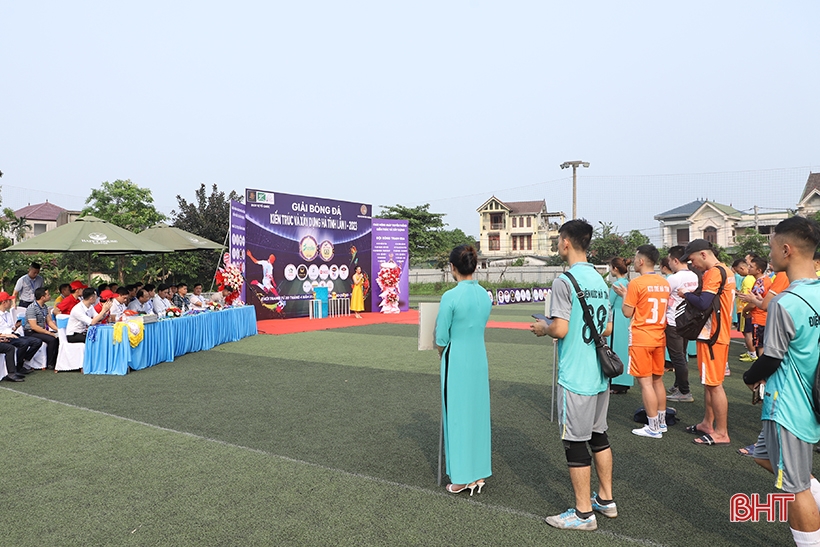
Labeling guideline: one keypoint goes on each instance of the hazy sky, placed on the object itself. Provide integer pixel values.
(415, 102)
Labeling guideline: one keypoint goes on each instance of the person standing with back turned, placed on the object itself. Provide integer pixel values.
(583, 393)
(465, 380)
(788, 368)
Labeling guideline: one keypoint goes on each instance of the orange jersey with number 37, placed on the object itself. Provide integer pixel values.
(649, 295)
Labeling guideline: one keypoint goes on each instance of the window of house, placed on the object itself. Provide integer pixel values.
(495, 242)
(514, 221)
(710, 234)
(496, 222)
(683, 236)
(529, 243)
(529, 222)
(764, 230)
(514, 243)
(39, 229)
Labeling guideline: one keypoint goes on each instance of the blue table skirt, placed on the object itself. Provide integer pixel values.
(165, 340)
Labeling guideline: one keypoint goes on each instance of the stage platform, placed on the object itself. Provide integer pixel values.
(304, 324)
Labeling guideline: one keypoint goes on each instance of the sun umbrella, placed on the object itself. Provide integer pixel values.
(177, 239)
(91, 235)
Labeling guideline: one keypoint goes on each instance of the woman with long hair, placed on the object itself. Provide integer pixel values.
(619, 339)
(465, 381)
(357, 294)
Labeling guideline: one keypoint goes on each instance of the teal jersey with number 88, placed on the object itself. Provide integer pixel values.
(578, 369)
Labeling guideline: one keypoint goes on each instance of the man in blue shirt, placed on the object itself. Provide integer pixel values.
(583, 393)
(787, 370)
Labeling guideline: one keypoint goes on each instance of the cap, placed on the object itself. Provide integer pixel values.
(694, 246)
(78, 285)
(4, 296)
(108, 295)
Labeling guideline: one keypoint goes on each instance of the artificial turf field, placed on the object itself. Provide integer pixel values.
(330, 438)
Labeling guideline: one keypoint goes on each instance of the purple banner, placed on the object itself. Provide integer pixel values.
(295, 244)
(237, 240)
(520, 296)
(391, 265)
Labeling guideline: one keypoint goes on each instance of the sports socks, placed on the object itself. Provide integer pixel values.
(815, 491)
(584, 516)
(661, 417)
(654, 425)
(602, 501)
(806, 539)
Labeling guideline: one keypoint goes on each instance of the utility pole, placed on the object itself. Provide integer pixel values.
(757, 227)
(574, 165)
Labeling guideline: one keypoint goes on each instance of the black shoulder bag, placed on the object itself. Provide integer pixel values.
(611, 364)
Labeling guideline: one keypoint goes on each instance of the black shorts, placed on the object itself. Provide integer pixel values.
(757, 335)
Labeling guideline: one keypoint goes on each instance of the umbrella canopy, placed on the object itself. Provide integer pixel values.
(177, 239)
(90, 234)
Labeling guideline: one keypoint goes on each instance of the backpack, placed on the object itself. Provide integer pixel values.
(689, 321)
(671, 416)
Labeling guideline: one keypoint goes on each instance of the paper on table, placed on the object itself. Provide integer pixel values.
(428, 311)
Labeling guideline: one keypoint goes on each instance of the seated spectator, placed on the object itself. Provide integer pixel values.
(196, 298)
(119, 303)
(38, 322)
(132, 293)
(140, 303)
(65, 290)
(68, 303)
(161, 302)
(113, 287)
(11, 370)
(26, 346)
(150, 289)
(104, 297)
(79, 321)
(222, 296)
(180, 299)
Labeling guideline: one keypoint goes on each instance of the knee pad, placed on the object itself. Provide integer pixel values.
(577, 454)
(599, 442)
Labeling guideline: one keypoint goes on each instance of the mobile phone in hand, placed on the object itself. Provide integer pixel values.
(542, 317)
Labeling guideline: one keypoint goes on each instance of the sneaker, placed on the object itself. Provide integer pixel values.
(662, 428)
(610, 510)
(568, 520)
(743, 356)
(646, 432)
(680, 397)
(746, 358)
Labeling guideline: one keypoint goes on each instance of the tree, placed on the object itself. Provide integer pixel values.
(125, 204)
(15, 225)
(447, 241)
(607, 243)
(424, 229)
(751, 243)
(206, 216)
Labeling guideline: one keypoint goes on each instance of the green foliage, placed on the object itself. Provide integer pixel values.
(607, 243)
(125, 204)
(429, 242)
(751, 243)
(518, 261)
(206, 216)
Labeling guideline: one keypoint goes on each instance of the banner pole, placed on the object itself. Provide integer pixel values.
(219, 260)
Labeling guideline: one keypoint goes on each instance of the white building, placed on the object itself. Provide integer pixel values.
(518, 228)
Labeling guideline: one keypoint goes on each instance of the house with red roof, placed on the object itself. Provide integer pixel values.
(518, 228)
(42, 217)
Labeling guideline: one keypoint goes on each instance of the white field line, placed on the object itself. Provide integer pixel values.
(385, 482)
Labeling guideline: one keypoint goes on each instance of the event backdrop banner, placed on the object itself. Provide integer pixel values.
(391, 264)
(237, 240)
(294, 244)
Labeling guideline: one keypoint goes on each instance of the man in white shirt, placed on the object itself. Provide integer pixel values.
(687, 280)
(79, 321)
(140, 303)
(119, 303)
(150, 290)
(26, 346)
(196, 298)
(161, 302)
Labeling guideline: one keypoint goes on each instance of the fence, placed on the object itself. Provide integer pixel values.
(539, 275)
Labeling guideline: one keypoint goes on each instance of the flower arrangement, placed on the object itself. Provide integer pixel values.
(213, 306)
(230, 275)
(173, 312)
(388, 281)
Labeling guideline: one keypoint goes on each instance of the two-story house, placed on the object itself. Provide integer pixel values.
(42, 217)
(518, 228)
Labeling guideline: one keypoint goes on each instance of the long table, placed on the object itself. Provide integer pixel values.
(165, 340)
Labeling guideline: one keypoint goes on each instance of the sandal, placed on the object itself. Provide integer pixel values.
(747, 451)
(707, 440)
(693, 429)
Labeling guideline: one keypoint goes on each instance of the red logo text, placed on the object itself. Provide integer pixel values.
(745, 508)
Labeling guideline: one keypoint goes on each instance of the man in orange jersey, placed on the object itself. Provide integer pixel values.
(712, 358)
(757, 316)
(645, 302)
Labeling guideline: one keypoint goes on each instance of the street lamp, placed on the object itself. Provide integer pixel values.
(574, 165)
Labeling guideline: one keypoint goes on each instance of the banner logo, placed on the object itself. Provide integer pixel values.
(745, 508)
(308, 248)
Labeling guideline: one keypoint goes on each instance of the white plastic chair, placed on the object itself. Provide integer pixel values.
(39, 360)
(70, 356)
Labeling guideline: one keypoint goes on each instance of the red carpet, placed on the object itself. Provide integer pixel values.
(305, 324)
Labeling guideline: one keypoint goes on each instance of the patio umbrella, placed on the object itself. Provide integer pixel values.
(177, 239)
(92, 235)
